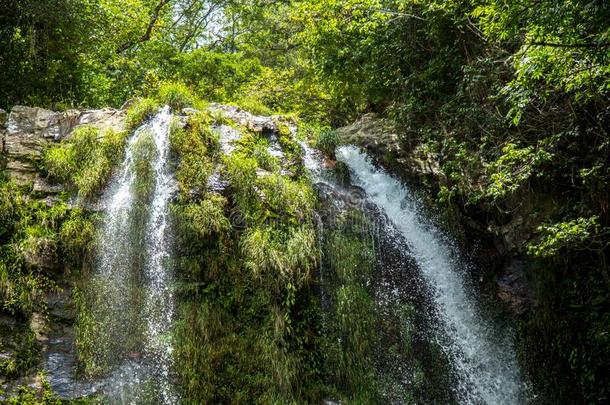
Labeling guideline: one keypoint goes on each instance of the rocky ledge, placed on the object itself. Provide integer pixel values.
(27, 131)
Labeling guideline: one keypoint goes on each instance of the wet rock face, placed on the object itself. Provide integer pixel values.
(28, 131)
(3, 117)
(381, 139)
(513, 288)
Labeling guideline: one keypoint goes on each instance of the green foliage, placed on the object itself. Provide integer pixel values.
(254, 105)
(103, 336)
(76, 235)
(576, 234)
(140, 111)
(27, 395)
(144, 152)
(510, 97)
(25, 351)
(217, 76)
(176, 95)
(245, 261)
(91, 347)
(28, 249)
(206, 218)
(196, 146)
(85, 160)
(512, 170)
(351, 325)
(326, 141)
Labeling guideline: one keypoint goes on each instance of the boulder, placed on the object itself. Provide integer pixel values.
(189, 111)
(256, 123)
(106, 118)
(372, 133)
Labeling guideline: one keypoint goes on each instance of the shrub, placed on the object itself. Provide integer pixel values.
(326, 141)
(254, 106)
(142, 110)
(175, 94)
(85, 160)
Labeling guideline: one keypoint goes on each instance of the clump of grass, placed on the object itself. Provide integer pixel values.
(144, 153)
(326, 141)
(206, 218)
(177, 95)
(84, 161)
(264, 159)
(196, 146)
(254, 106)
(142, 110)
(76, 237)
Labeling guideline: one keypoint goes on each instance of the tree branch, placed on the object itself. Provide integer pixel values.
(149, 28)
(583, 45)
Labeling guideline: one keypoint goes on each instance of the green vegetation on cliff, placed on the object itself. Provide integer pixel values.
(244, 260)
(510, 98)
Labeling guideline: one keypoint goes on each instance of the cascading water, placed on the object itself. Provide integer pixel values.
(484, 362)
(134, 303)
(160, 303)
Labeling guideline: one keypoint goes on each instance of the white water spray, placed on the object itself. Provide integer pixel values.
(485, 364)
(159, 298)
(133, 273)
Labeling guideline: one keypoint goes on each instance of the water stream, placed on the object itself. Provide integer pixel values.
(133, 272)
(483, 357)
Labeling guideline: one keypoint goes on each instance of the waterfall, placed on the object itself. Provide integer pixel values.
(159, 298)
(132, 286)
(483, 358)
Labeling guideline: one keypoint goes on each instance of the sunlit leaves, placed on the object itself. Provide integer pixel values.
(575, 234)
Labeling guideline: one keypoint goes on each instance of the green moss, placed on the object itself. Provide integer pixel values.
(350, 327)
(245, 262)
(103, 335)
(196, 146)
(144, 152)
(27, 395)
(25, 351)
(91, 342)
(28, 249)
(206, 218)
(77, 235)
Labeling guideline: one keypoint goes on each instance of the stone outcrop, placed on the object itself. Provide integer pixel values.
(28, 131)
(256, 123)
(380, 137)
